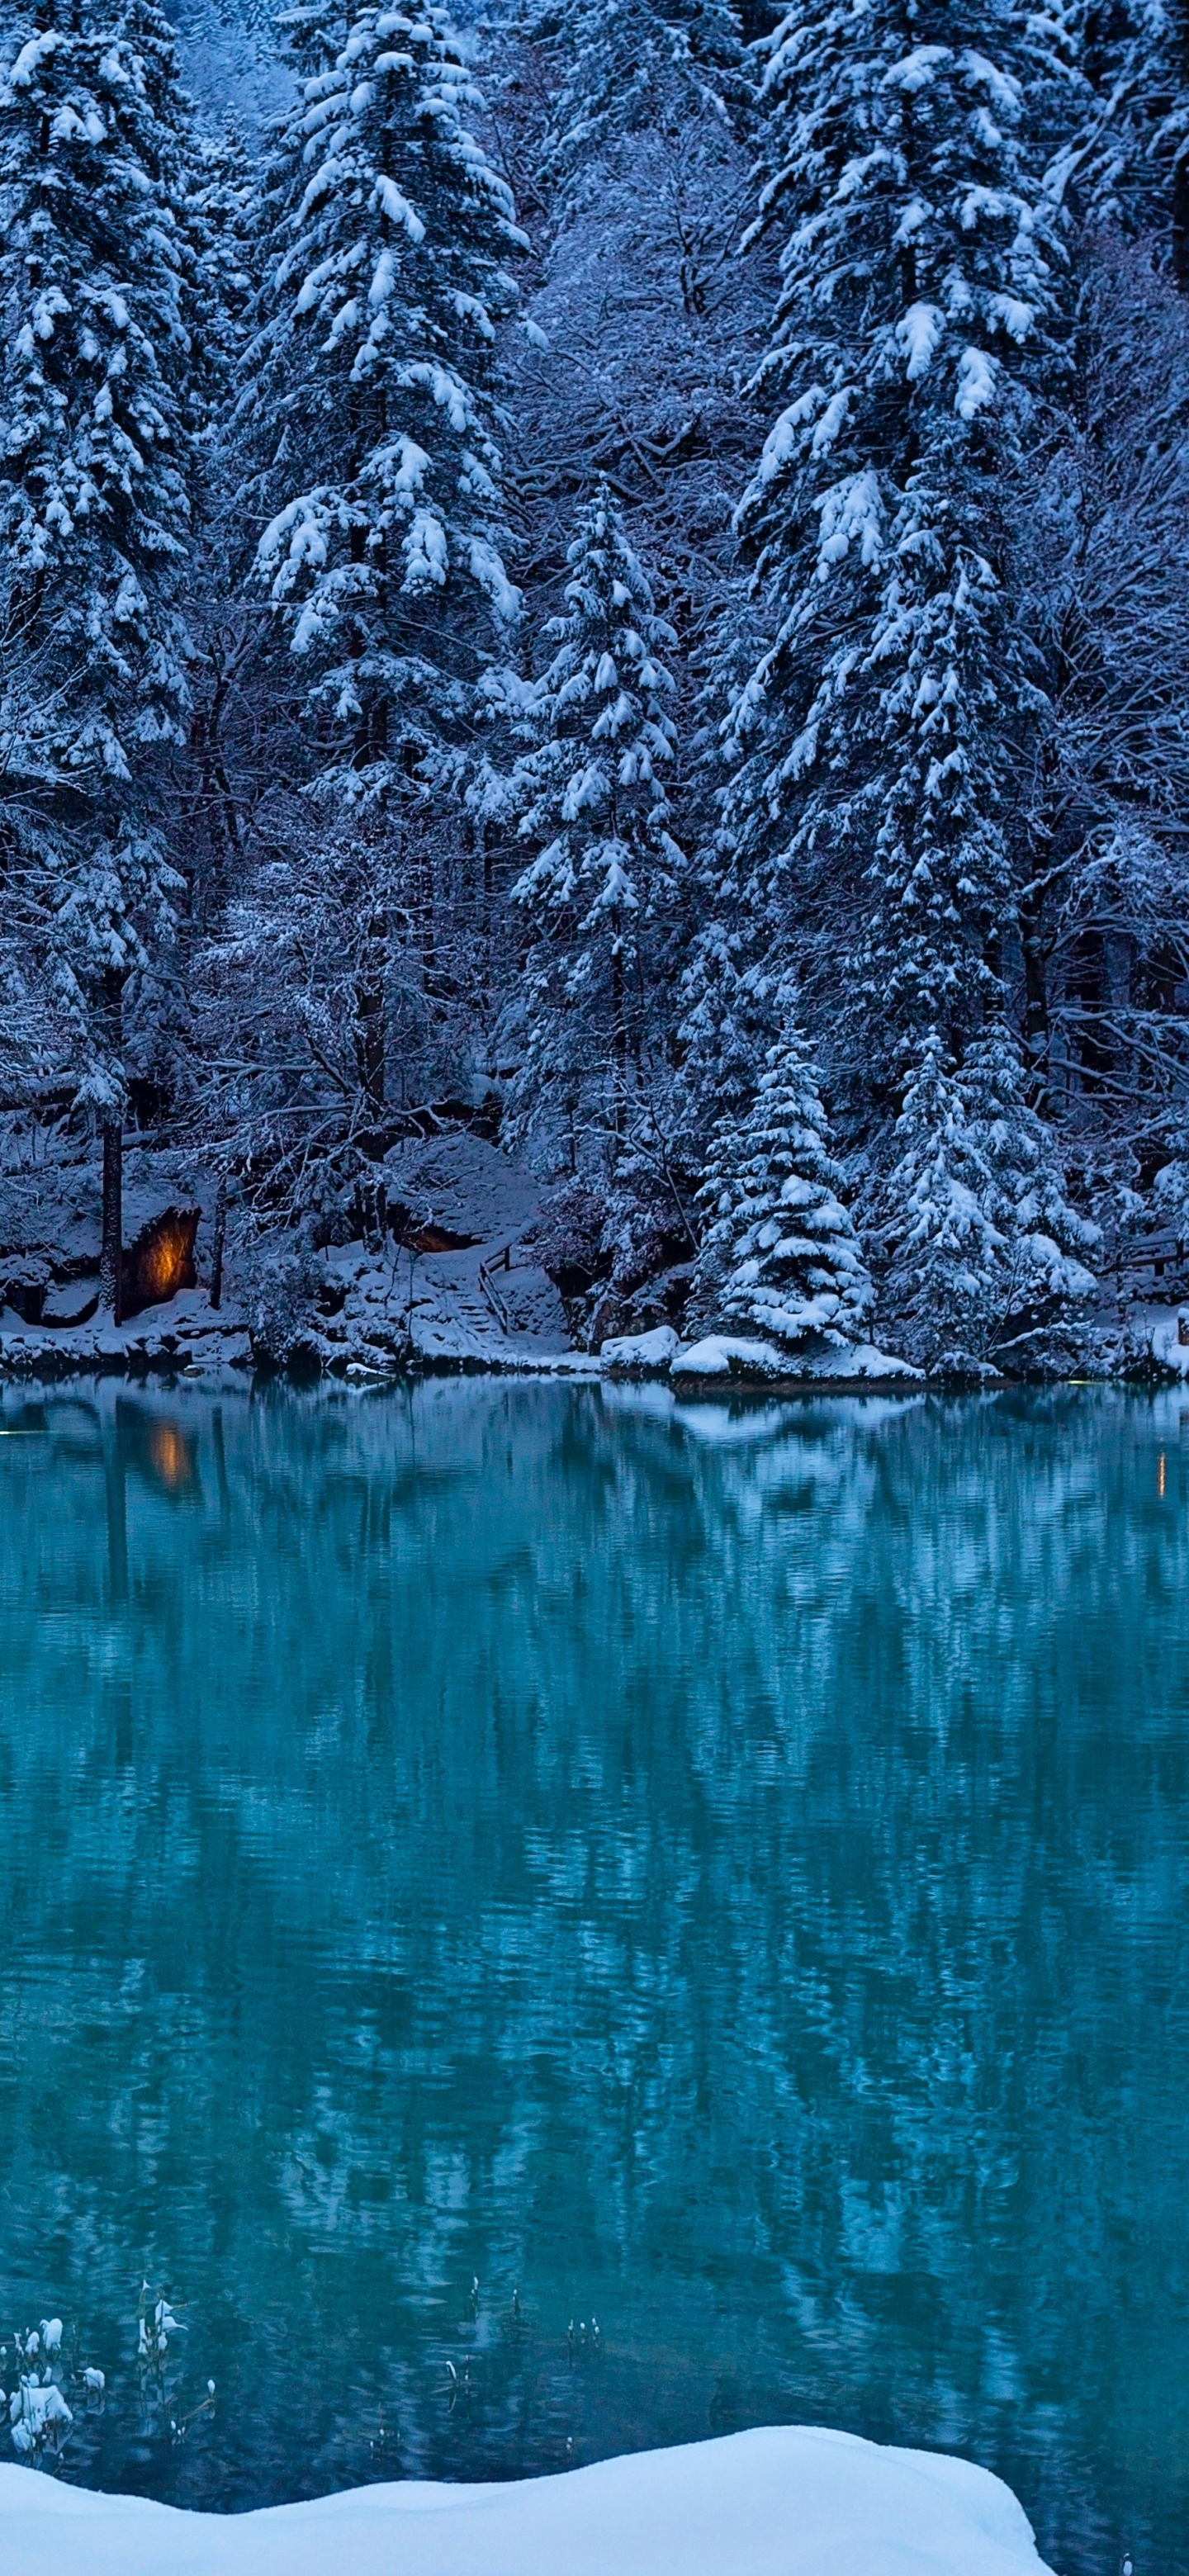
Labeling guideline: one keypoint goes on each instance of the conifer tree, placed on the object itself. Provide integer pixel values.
(591, 793)
(1127, 155)
(627, 65)
(984, 1252)
(919, 320)
(375, 413)
(220, 218)
(730, 1015)
(372, 420)
(780, 1255)
(94, 526)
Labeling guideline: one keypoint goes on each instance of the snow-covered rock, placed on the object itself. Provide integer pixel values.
(641, 1354)
(1167, 1349)
(464, 1182)
(721, 1357)
(793, 2501)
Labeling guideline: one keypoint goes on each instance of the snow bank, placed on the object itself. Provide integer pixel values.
(721, 1357)
(641, 1353)
(789, 2502)
(1166, 1346)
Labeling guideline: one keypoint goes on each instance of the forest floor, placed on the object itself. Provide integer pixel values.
(360, 1308)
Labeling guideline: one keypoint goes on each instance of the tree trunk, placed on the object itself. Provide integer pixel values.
(369, 1012)
(1034, 908)
(1180, 220)
(1036, 1008)
(217, 1244)
(619, 1041)
(1088, 984)
(111, 1253)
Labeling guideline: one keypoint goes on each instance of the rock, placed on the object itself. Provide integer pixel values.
(641, 1354)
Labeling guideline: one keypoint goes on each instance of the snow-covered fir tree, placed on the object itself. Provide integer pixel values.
(592, 794)
(730, 1015)
(95, 466)
(375, 412)
(989, 1257)
(371, 423)
(780, 1255)
(624, 67)
(1125, 156)
(919, 319)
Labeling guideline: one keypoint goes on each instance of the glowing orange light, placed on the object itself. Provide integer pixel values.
(169, 1454)
(163, 1261)
(1160, 1477)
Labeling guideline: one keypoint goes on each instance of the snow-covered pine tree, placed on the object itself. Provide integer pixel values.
(374, 411)
(973, 1220)
(623, 66)
(591, 794)
(94, 526)
(780, 1255)
(919, 321)
(1127, 152)
(729, 1001)
(220, 217)
(1047, 1284)
(372, 416)
(938, 1233)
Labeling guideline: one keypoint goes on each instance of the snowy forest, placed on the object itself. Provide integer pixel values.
(615, 576)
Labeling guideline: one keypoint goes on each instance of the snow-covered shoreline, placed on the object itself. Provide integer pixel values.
(185, 1340)
(464, 1290)
(788, 2501)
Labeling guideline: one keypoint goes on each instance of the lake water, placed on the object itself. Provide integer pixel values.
(495, 1855)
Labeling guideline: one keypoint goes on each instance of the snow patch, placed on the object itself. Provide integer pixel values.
(793, 2501)
(976, 383)
(644, 1352)
(1167, 1348)
(720, 1356)
(918, 332)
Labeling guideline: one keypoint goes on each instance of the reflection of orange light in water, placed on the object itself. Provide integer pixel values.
(163, 1262)
(169, 1454)
(1160, 1476)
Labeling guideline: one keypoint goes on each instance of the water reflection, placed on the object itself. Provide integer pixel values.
(719, 1873)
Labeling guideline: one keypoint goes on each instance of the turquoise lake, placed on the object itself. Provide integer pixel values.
(490, 1856)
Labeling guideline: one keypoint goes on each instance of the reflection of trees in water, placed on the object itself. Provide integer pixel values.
(526, 1828)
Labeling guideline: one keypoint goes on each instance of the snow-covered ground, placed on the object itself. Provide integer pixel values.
(484, 1303)
(724, 1357)
(723, 1360)
(787, 2502)
(1160, 1326)
(476, 1296)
